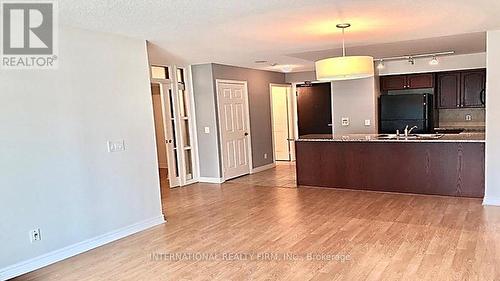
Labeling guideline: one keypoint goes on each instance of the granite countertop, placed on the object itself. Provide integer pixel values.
(466, 129)
(462, 137)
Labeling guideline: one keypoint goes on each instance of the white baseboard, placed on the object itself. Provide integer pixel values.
(491, 201)
(263, 168)
(75, 249)
(210, 180)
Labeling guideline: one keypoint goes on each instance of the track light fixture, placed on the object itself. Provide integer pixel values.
(412, 58)
(434, 61)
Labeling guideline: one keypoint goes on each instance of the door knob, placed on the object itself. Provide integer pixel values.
(246, 134)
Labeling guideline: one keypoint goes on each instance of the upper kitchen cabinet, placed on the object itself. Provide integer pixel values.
(461, 89)
(404, 82)
(448, 89)
(420, 81)
(396, 82)
(473, 88)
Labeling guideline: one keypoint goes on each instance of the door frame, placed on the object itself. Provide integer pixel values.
(291, 124)
(189, 103)
(247, 123)
(172, 84)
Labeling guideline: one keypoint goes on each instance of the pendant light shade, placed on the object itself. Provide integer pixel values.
(344, 67)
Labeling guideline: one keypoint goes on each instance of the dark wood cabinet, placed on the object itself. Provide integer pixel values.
(420, 81)
(461, 89)
(473, 86)
(388, 83)
(448, 90)
(442, 168)
(403, 82)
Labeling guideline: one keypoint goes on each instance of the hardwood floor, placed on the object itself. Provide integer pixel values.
(368, 235)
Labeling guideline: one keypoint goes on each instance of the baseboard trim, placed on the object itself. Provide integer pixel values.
(210, 180)
(491, 201)
(263, 168)
(75, 249)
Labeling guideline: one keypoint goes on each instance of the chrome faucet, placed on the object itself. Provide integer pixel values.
(408, 131)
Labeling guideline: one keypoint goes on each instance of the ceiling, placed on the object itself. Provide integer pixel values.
(289, 32)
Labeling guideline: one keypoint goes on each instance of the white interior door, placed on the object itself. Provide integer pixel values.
(233, 124)
(169, 118)
(281, 123)
(176, 107)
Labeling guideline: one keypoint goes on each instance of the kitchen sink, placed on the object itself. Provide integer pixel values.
(410, 137)
(430, 136)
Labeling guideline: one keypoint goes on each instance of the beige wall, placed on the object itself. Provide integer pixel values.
(492, 195)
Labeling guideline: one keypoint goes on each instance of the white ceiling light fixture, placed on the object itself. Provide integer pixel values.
(345, 67)
(434, 61)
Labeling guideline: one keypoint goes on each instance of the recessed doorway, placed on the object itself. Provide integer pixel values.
(282, 122)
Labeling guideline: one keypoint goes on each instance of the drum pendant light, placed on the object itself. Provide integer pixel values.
(345, 67)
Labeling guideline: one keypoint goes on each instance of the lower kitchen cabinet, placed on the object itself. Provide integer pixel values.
(438, 168)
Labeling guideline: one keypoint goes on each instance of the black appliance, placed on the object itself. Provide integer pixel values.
(399, 111)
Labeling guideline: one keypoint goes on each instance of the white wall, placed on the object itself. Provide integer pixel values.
(159, 56)
(300, 77)
(492, 195)
(446, 63)
(56, 173)
(357, 100)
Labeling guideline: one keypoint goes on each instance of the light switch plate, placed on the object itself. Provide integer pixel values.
(345, 121)
(468, 117)
(207, 130)
(368, 122)
(115, 146)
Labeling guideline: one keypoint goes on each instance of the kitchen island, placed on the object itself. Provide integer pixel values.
(451, 165)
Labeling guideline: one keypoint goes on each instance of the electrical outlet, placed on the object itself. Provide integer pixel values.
(207, 130)
(368, 122)
(468, 117)
(35, 235)
(115, 146)
(265, 155)
(345, 121)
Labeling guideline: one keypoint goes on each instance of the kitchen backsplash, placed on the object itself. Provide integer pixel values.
(458, 117)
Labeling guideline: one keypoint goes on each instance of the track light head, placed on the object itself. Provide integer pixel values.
(434, 61)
